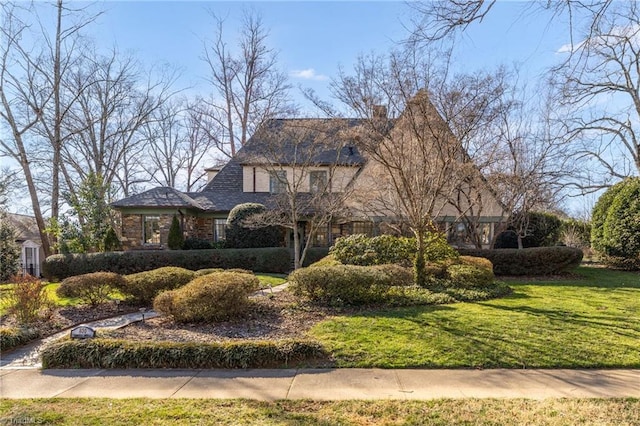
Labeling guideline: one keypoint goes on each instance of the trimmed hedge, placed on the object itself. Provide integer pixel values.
(60, 266)
(530, 261)
(144, 286)
(12, 337)
(110, 353)
(212, 297)
(93, 288)
(348, 284)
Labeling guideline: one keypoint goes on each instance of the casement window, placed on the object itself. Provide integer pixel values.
(278, 182)
(219, 229)
(151, 229)
(365, 228)
(318, 181)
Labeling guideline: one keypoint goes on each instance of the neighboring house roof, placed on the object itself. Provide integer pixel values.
(162, 197)
(25, 226)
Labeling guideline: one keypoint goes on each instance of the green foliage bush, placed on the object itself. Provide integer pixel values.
(120, 354)
(93, 288)
(530, 261)
(12, 337)
(111, 241)
(9, 250)
(616, 225)
(346, 284)
(314, 254)
(196, 244)
(144, 286)
(274, 260)
(239, 235)
(209, 298)
(469, 276)
(543, 230)
(362, 250)
(175, 240)
(599, 215)
(329, 260)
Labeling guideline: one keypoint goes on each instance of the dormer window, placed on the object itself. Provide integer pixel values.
(318, 181)
(278, 182)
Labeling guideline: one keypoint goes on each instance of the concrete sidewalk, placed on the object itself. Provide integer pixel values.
(319, 384)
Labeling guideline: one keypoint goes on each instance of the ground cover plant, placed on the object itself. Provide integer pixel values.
(552, 412)
(589, 320)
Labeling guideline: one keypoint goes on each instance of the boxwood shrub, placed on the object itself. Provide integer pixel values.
(348, 284)
(212, 297)
(60, 266)
(144, 286)
(530, 261)
(93, 288)
(111, 353)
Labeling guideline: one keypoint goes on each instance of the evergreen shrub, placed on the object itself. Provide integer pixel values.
(176, 238)
(121, 354)
(530, 261)
(93, 288)
(144, 286)
(240, 235)
(274, 260)
(616, 225)
(209, 298)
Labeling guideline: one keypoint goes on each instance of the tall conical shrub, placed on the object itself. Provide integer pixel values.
(176, 239)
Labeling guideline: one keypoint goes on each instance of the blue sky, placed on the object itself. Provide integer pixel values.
(319, 36)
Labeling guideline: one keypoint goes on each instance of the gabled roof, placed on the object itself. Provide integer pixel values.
(25, 227)
(319, 142)
(162, 197)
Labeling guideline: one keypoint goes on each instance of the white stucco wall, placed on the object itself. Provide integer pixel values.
(256, 179)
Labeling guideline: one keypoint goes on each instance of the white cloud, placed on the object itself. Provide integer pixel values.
(308, 74)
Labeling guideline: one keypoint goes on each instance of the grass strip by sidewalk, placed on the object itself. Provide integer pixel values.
(242, 412)
(588, 321)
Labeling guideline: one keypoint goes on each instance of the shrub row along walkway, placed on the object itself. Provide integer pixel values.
(319, 384)
(28, 356)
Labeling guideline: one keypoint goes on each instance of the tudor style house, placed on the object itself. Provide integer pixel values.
(308, 155)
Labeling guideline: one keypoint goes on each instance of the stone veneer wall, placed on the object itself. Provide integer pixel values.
(197, 227)
(132, 231)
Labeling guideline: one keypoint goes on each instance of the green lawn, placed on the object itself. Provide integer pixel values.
(558, 412)
(586, 322)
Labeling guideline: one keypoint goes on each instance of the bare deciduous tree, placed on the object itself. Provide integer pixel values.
(107, 118)
(416, 162)
(599, 88)
(247, 86)
(178, 142)
(311, 166)
(439, 19)
(33, 66)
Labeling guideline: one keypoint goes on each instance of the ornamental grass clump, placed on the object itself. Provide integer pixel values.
(143, 287)
(214, 297)
(93, 289)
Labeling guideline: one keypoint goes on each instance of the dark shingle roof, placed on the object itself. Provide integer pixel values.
(277, 141)
(302, 141)
(162, 197)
